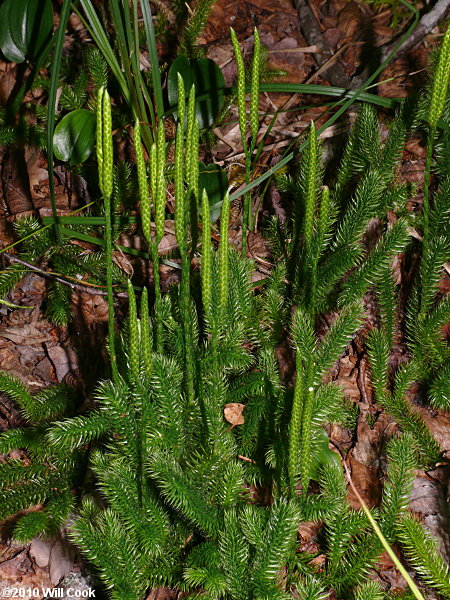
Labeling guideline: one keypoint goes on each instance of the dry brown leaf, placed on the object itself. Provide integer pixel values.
(233, 413)
(347, 366)
(444, 284)
(318, 561)
(93, 307)
(258, 246)
(438, 422)
(162, 593)
(43, 370)
(167, 244)
(285, 360)
(308, 530)
(20, 571)
(349, 19)
(123, 263)
(40, 551)
(61, 560)
(395, 580)
(25, 334)
(347, 377)
(367, 448)
(16, 186)
(257, 276)
(416, 147)
(367, 482)
(286, 44)
(63, 360)
(332, 37)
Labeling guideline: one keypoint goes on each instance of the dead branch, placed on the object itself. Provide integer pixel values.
(80, 287)
(426, 24)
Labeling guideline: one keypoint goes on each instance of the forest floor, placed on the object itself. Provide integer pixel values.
(43, 354)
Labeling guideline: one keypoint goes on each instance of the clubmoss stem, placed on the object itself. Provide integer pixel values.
(158, 299)
(295, 424)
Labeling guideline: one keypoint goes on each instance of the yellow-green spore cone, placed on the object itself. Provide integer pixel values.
(180, 201)
(181, 100)
(99, 136)
(104, 142)
(254, 95)
(310, 200)
(144, 195)
(441, 81)
(242, 112)
(192, 139)
(105, 169)
(160, 184)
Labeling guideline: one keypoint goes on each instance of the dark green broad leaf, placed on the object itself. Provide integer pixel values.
(75, 136)
(25, 28)
(214, 180)
(209, 84)
(321, 455)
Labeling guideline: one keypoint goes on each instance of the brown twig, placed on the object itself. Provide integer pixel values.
(331, 61)
(250, 460)
(311, 31)
(324, 58)
(54, 277)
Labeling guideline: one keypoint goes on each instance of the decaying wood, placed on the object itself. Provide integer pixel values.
(311, 31)
(427, 23)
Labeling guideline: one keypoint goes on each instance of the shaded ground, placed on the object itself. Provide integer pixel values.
(42, 354)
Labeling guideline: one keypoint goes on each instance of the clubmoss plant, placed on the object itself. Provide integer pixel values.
(183, 189)
(253, 119)
(440, 83)
(439, 95)
(46, 475)
(427, 313)
(422, 551)
(158, 186)
(206, 265)
(144, 191)
(194, 27)
(193, 430)
(105, 176)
